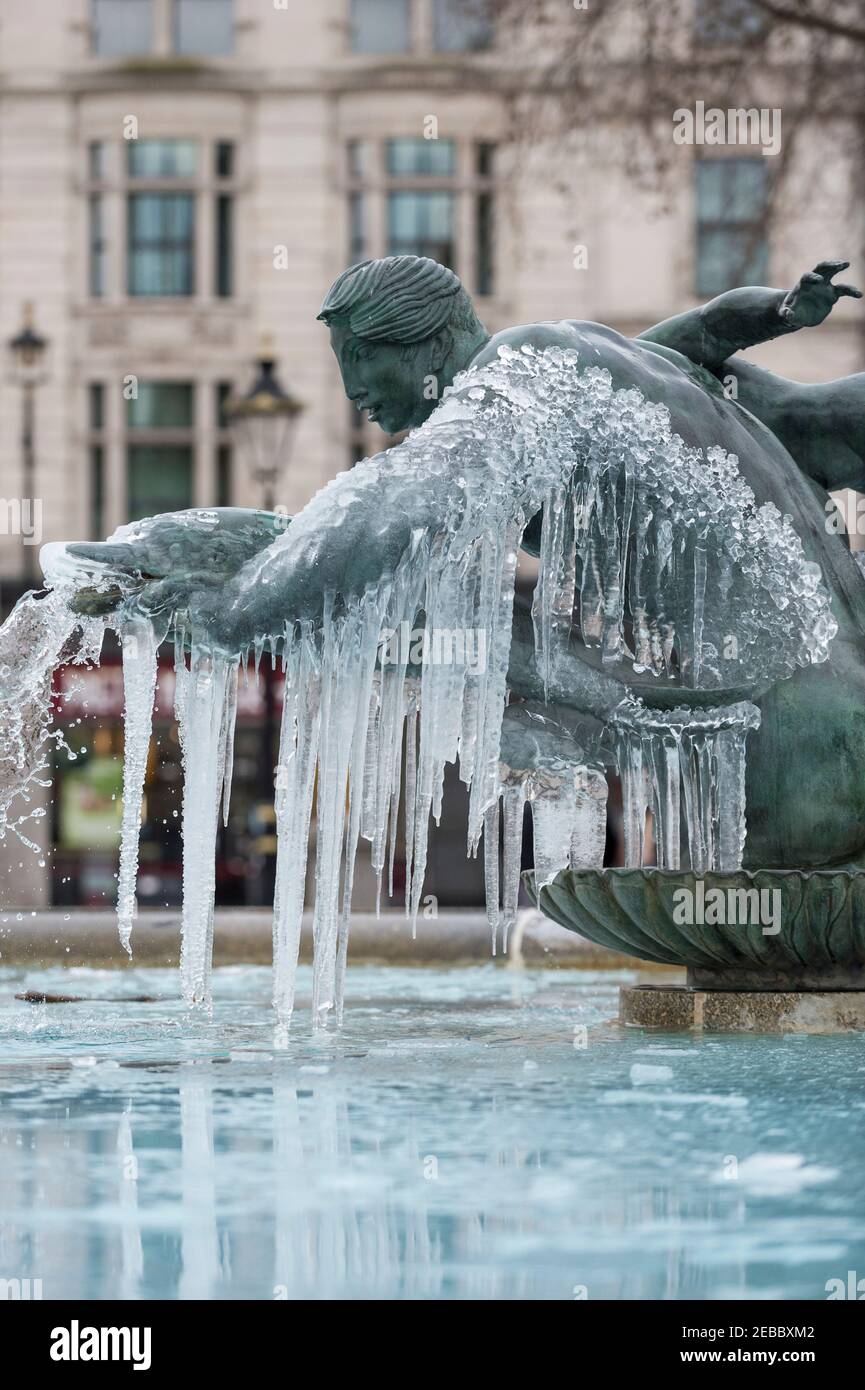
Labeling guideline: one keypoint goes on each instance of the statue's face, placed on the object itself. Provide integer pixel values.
(399, 394)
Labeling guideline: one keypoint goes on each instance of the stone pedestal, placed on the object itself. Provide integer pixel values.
(679, 1008)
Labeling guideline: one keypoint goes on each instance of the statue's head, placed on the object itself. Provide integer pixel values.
(401, 328)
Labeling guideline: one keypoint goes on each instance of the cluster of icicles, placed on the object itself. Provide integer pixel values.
(636, 526)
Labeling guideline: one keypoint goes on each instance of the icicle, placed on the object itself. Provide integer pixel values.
(554, 805)
(410, 793)
(553, 600)
(691, 760)
(203, 738)
(231, 721)
(298, 751)
(513, 809)
(140, 644)
(491, 869)
(589, 833)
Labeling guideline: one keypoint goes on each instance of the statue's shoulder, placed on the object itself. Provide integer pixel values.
(561, 333)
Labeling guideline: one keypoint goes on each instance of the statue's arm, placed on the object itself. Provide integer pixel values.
(742, 318)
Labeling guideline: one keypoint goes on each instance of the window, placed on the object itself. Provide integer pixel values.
(121, 28)
(160, 405)
(421, 224)
(203, 28)
(224, 464)
(484, 249)
(97, 246)
(461, 26)
(224, 159)
(732, 205)
(161, 249)
(381, 26)
(159, 435)
(357, 224)
(408, 157)
(159, 448)
(131, 28)
(159, 478)
(224, 246)
(161, 225)
(411, 196)
(176, 194)
(96, 161)
(96, 452)
(424, 184)
(162, 159)
(730, 22)
(439, 26)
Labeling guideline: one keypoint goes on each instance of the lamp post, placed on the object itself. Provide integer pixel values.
(27, 352)
(262, 425)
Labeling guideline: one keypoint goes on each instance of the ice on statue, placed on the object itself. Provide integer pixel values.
(658, 566)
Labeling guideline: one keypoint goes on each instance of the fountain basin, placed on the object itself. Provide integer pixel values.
(807, 933)
(456, 1141)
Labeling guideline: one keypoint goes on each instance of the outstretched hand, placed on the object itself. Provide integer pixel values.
(162, 560)
(814, 297)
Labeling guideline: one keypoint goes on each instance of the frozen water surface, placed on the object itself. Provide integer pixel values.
(455, 1140)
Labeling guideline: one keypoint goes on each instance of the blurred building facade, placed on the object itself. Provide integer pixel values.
(180, 177)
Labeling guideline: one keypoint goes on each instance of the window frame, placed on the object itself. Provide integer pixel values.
(370, 181)
(755, 226)
(112, 192)
(164, 30)
(421, 38)
(161, 436)
(366, 177)
(108, 437)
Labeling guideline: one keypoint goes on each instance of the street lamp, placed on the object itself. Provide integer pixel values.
(262, 425)
(27, 353)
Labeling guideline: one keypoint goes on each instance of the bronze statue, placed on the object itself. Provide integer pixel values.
(402, 329)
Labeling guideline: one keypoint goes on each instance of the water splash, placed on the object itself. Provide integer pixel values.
(40, 634)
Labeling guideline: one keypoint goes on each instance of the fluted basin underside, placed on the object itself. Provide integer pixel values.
(754, 927)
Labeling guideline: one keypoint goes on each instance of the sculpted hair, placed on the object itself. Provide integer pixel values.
(400, 299)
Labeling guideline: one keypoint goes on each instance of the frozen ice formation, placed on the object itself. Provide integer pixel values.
(691, 756)
(652, 552)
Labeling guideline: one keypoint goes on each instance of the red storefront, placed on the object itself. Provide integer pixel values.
(88, 795)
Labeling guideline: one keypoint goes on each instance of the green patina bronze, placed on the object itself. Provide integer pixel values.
(404, 327)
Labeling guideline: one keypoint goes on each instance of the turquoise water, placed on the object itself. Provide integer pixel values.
(457, 1140)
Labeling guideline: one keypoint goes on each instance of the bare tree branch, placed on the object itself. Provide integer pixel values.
(803, 16)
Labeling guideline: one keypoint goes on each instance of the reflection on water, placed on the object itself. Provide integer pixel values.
(454, 1142)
